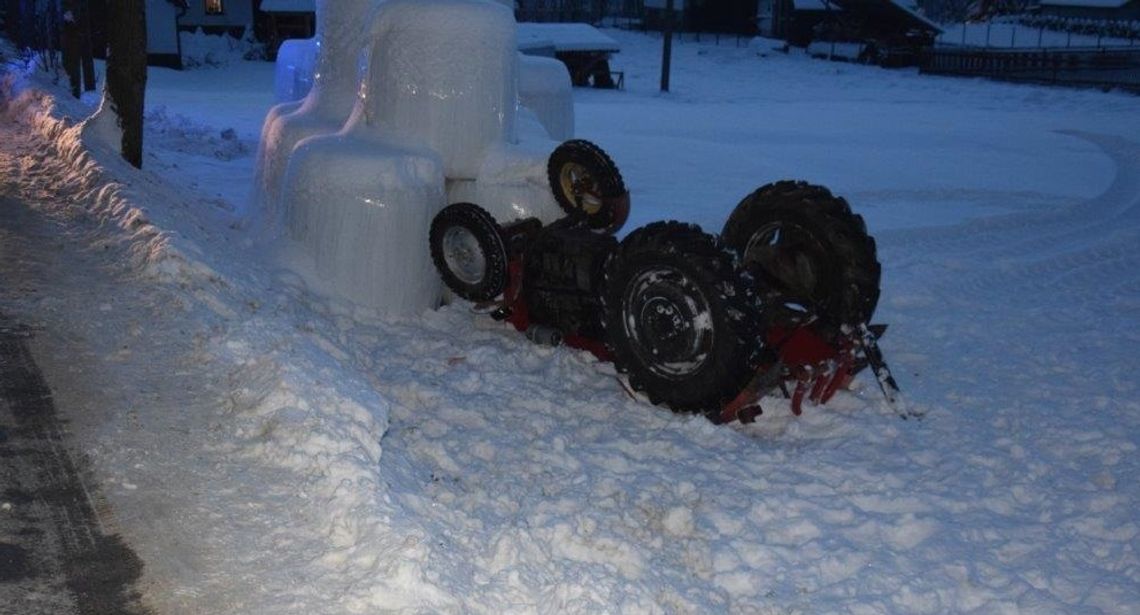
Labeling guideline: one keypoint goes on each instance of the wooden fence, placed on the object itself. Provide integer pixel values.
(1104, 67)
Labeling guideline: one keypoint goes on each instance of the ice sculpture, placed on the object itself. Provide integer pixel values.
(545, 89)
(342, 29)
(434, 120)
(293, 72)
(437, 102)
(437, 79)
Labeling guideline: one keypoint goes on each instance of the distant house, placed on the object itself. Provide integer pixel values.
(1116, 10)
(285, 19)
(792, 20)
(888, 31)
(166, 18)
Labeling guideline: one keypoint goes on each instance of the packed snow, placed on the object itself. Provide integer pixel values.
(268, 448)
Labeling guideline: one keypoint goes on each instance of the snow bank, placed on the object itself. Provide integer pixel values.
(289, 415)
(94, 190)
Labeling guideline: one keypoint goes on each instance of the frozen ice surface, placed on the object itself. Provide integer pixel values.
(566, 37)
(440, 89)
(438, 101)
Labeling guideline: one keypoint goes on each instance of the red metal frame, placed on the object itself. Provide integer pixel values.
(818, 367)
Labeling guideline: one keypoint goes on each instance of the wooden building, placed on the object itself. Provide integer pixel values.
(285, 19)
(889, 32)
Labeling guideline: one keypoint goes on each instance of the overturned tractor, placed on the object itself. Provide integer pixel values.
(781, 300)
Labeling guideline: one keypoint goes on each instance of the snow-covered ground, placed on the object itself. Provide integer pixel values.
(269, 450)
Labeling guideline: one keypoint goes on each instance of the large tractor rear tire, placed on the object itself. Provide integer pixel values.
(680, 318)
(805, 246)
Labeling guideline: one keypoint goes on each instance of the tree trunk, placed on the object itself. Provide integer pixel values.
(70, 42)
(126, 72)
(86, 46)
(12, 20)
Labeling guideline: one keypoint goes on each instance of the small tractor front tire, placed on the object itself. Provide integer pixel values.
(468, 250)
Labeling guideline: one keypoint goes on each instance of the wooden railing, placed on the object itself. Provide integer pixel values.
(1104, 67)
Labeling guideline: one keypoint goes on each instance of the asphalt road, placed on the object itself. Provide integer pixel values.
(55, 556)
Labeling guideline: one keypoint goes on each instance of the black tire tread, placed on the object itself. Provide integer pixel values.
(854, 251)
(490, 236)
(610, 182)
(705, 257)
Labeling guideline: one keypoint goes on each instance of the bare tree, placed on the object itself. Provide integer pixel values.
(126, 73)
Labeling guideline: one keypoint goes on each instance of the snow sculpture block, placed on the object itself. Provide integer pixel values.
(434, 121)
(545, 89)
(361, 209)
(341, 34)
(443, 73)
(511, 183)
(294, 69)
(439, 94)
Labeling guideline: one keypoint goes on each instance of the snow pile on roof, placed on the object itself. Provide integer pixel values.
(288, 6)
(1100, 4)
(815, 5)
(565, 37)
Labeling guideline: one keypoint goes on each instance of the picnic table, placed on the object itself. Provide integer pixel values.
(584, 49)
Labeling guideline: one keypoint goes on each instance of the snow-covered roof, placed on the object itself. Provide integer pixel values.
(898, 11)
(565, 37)
(1098, 4)
(814, 5)
(288, 6)
(910, 7)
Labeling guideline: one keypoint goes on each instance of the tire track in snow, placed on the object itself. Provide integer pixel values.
(1076, 251)
(1041, 231)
